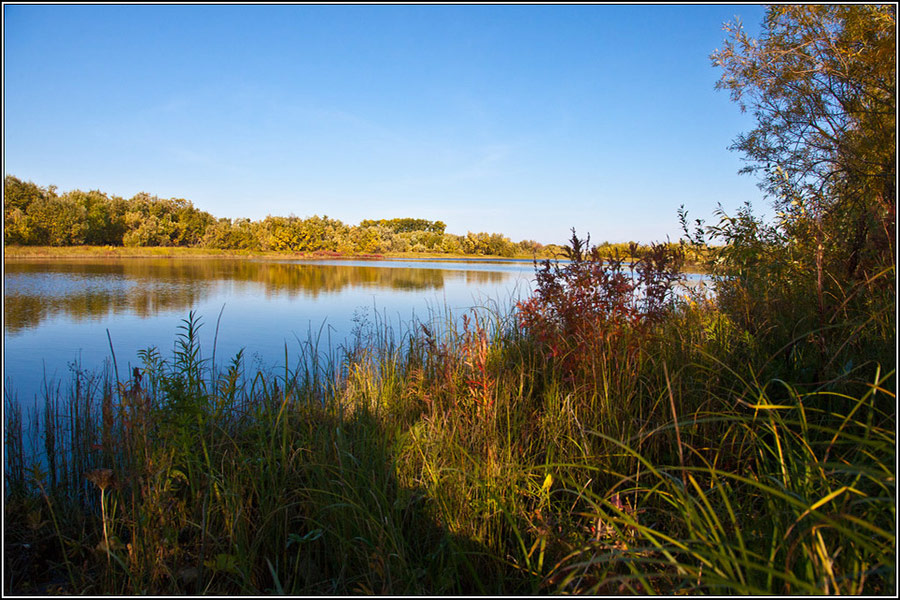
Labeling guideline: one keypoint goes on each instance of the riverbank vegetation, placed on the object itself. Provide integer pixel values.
(609, 435)
(694, 256)
(39, 216)
(40, 223)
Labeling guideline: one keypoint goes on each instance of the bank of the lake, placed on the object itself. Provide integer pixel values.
(67, 252)
(693, 264)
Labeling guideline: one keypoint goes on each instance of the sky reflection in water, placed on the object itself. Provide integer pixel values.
(57, 311)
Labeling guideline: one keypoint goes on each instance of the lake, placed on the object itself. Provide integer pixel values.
(57, 311)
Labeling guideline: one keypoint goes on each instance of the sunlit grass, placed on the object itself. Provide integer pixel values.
(69, 252)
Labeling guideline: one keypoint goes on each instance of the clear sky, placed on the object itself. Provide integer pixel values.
(520, 119)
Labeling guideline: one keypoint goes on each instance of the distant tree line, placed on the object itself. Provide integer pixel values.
(406, 225)
(39, 216)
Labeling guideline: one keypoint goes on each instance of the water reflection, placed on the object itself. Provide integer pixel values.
(36, 291)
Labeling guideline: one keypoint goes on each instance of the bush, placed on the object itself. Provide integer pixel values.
(594, 301)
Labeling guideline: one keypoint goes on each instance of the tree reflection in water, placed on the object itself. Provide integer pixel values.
(92, 289)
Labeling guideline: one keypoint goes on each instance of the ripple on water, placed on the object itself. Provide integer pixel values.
(55, 285)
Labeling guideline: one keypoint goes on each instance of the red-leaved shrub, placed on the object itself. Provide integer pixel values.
(595, 303)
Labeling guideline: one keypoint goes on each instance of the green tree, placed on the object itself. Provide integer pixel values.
(406, 225)
(218, 235)
(104, 218)
(51, 220)
(371, 239)
(280, 233)
(816, 286)
(820, 82)
(18, 196)
(451, 244)
(224, 233)
(190, 223)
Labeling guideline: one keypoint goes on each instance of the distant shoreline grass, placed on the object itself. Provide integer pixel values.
(15, 252)
(67, 252)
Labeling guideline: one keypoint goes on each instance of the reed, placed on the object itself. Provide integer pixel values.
(468, 454)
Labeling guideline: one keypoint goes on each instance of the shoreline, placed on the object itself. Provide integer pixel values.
(69, 252)
(27, 253)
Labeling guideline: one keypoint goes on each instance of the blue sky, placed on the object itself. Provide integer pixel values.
(521, 119)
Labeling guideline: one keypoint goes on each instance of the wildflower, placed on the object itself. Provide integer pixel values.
(102, 478)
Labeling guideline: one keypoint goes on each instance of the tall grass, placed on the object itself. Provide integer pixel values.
(462, 456)
(810, 509)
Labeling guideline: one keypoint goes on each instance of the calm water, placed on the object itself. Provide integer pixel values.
(58, 311)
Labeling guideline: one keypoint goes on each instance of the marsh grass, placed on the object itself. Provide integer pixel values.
(466, 454)
(811, 510)
(18, 252)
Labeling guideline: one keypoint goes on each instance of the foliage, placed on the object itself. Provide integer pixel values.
(406, 225)
(38, 216)
(821, 84)
(778, 524)
(594, 300)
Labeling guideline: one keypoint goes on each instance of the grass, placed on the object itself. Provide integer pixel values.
(462, 457)
(15, 252)
(68, 252)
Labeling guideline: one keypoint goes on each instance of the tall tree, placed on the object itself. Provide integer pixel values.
(820, 82)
